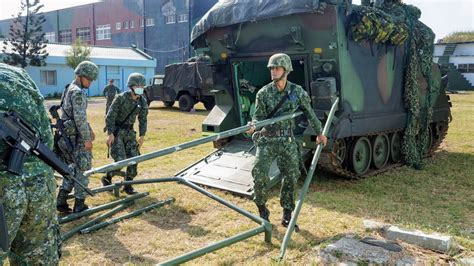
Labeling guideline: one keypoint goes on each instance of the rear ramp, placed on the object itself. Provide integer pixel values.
(229, 168)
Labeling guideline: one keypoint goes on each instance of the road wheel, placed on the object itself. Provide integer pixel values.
(209, 103)
(360, 156)
(168, 103)
(381, 151)
(186, 102)
(396, 147)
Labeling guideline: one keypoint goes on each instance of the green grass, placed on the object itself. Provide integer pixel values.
(439, 198)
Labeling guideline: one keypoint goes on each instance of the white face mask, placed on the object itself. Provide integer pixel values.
(138, 91)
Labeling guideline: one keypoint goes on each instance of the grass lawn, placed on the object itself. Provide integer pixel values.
(439, 198)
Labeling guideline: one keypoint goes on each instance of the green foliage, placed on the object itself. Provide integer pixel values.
(79, 52)
(26, 37)
(458, 36)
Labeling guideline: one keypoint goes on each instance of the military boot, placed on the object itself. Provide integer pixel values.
(106, 180)
(285, 220)
(79, 205)
(264, 212)
(61, 204)
(128, 188)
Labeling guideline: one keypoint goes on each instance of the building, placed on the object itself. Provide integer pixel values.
(458, 59)
(114, 63)
(160, 28)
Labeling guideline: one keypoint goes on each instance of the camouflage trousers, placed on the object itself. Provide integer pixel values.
(125, 146)
(83, 161)
(286, 154)
(107, 104)
(32, 221)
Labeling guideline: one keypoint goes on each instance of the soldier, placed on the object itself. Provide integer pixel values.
(74, 105)
(119, 121)
(109, 92)
(280, 97)
(28, 199)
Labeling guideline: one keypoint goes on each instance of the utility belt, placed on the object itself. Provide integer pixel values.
(278, 133)
(126, 127)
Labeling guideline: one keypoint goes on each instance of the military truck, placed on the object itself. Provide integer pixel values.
(392, 107)
(188, 83)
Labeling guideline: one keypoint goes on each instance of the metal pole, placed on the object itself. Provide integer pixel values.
(186, 145)
(99, 190)
(306, 184)
(128, 215)
(109, 205)
(267, 225)
(90, 223)
(224, 243)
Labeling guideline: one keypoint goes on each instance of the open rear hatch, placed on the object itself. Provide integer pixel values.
(230, 168)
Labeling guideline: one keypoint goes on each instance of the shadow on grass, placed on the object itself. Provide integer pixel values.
(440, 197)
(174, 109)
(105, 241)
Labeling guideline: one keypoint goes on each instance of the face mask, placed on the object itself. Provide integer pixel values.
(138, 91)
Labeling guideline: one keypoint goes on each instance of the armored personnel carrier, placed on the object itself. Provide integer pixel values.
(376, 58)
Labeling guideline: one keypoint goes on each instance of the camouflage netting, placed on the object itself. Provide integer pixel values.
(397, 23)
(375, 25)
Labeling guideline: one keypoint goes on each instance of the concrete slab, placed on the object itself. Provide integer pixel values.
(434, 241)
(370, 225)
(466, 261)
(350, 251)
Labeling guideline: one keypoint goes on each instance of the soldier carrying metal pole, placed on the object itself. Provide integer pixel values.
(122, 138)
(277, 141)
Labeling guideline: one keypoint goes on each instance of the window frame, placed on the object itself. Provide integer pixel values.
(103, 32)
(45, 77)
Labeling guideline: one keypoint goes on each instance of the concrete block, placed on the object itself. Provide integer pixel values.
(466, 261)
(370, 225)
(434, 241)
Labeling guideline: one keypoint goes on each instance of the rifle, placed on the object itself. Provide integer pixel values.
(24, 141)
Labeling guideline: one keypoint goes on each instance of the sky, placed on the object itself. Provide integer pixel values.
(443, 16)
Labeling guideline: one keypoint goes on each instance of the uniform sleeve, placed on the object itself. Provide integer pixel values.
(305, 103)
(117, 89)
(260, 109)
(112, 115)
(79, 102)
(104, 91)
(142, 118)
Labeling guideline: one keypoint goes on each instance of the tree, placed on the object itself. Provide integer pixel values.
(26, 37)
(79, 52)
(458, 36)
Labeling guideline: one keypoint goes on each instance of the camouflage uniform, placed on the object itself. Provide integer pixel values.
(283, 148)
(119, 121)
(74, 105)
(28, 200)
(109, 92)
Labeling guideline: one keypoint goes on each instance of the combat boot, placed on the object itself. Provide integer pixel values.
(285, 220)
(128, 188)
(61, 204)
(106, 180)
(79, 205)
(264, 212)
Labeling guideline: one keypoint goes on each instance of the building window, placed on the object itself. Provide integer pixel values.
(50, 37)
(466, 68)
(84, 34)
(182, 18)
(132, 24)
(48, 77)
(142, 23)
(103, 32)
(125, 25)
(170, 19)
(150, 22)
(118, 25)
(65, 36)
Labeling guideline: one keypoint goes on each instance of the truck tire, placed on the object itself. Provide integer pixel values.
(186, 102)
(168, 103)
(209, 103)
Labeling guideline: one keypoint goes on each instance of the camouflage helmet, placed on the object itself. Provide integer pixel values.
(136, 79)
(280, 60)
(88, 70)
